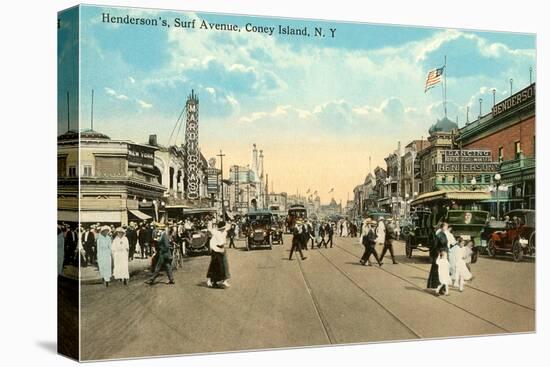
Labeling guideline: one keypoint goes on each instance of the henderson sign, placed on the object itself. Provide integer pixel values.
(520, 97)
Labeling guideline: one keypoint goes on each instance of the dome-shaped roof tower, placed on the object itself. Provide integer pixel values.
(444, 125)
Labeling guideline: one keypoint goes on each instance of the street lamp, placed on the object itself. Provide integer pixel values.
(497, 184)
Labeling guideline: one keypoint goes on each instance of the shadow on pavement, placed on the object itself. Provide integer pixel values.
(48, 345)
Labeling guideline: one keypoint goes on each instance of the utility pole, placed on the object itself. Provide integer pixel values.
(92, 113)
(221, 155)
(68, 114)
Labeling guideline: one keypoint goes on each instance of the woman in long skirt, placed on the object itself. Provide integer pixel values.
(218, 270)
(104, 254)
(120, 249)
(439, 245)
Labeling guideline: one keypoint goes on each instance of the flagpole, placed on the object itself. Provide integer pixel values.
(445, 86)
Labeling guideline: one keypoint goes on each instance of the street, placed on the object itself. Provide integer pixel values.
(329, 298)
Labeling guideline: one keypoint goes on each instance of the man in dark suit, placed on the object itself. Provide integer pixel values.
(70, 246)
(143, 244)
(369, 242)
(297, 241)
(330, 233)
(89, 245)
(131, 234)
(164, 257)
(388, 242)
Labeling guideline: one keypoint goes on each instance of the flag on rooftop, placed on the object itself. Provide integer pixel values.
(434, 77)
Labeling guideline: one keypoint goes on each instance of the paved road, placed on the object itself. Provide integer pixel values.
(327, 299)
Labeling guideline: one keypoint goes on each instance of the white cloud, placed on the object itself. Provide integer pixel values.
(113, 93)
(144, 104)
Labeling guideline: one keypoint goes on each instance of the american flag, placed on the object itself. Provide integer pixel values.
(434, 77)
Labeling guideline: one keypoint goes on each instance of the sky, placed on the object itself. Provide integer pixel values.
(318, 107)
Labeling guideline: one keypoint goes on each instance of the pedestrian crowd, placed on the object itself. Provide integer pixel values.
(318, 233)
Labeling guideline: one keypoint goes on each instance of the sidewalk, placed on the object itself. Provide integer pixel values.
(90, 274)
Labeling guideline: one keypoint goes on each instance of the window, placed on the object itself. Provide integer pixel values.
(517, 148)
(87, 170)
(72, 171)
(61, 166)
(500, 154)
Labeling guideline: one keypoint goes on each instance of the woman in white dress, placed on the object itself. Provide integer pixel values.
(461, 270)
(120, 248)
(443, 273)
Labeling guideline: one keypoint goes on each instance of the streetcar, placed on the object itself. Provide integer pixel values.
(297, 214)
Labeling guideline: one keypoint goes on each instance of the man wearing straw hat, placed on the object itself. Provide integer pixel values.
(388, 241)
(164, 257)
(368, 239)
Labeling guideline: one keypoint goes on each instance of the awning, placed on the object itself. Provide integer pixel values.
(139, 214)
(466, 195)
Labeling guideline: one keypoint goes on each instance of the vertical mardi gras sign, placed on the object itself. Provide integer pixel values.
(192, 146)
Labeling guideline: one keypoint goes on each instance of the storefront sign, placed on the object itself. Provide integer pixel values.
(140, 156)
(192, 147)
(517, 99)
(487, 167)
(213, 177)
(467, 160)
(466, 156)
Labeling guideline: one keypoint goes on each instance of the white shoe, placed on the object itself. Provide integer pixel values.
(226, 284)
(209, 283)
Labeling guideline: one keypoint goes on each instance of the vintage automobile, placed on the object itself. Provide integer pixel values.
(419, 234)
(197, 239)
(518, 237)
(468, 224)
(258, 229)
(277, 230)
(491, 227)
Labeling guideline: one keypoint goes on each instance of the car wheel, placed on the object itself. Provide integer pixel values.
(532, 245)
(517, 251)
(475, 254)
(491, 249)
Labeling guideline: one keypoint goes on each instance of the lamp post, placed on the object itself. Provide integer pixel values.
(497, 184)
(406, 205)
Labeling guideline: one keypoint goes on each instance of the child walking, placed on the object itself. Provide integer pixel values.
(461, 273)
(443, 273)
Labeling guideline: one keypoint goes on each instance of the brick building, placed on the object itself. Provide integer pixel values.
(508, 131)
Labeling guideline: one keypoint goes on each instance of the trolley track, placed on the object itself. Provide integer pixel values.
(478, 289)
(376, 300)
(439, 298)
(326, 327)
(465, 285)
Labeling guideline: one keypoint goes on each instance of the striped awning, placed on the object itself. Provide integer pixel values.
(463, 195)
(139, 214)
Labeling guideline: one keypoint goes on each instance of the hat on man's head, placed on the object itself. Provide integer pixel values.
(120, 230)
(380, 218)
(105, 228)
(221, 224)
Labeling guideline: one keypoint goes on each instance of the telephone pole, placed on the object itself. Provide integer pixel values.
(221, 155)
